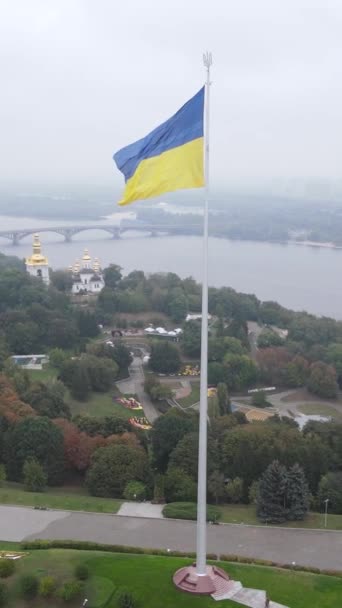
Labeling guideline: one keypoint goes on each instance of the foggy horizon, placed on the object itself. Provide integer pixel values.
(81, 80)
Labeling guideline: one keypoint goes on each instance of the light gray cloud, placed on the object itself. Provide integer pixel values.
(80, 78)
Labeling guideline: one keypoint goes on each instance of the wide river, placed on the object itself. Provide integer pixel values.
(298, 277)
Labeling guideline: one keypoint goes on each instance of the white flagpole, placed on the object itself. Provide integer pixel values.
(201, 552)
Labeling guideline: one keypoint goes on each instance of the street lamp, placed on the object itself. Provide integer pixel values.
(326, 512)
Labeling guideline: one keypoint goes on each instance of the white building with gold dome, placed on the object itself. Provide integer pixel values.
(87, 275)
(37, 265)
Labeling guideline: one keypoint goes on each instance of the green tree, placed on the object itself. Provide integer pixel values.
(223, 399)
(334, 357)
(34, 476)
(234, 490)
(3, 594)
(47, 399)
(178, 305)
(297, 494)
(155, 389)
(112, 276)
(47, 586)
(35, 437)
(191, 339)
(166, 432)
(297, 371)
(179, 486)
(80, 381)
(164, 357)
(113, 467)
(240, 371)
(2, 472)
(271, 498)
(259, 399)
(61, 280)
(216, 486)
(87, 324)
(57, 358)
(322, 380)
(330, 487)
(269, 337)
(135, 490)
(101, 372)
(185, 455)
(28, 585)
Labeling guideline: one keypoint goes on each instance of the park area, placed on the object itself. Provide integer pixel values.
(102, 577)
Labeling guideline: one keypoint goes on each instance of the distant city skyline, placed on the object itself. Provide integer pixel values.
(81, 79)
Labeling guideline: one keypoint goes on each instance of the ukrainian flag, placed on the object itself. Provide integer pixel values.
(169, 158)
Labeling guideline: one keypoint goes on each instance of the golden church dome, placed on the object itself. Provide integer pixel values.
(37, 259)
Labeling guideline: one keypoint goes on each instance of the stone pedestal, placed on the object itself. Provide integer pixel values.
(187, 579)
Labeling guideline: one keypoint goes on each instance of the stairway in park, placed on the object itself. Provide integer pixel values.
(233, 590)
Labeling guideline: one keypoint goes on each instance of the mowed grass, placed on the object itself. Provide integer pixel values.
(150, 579)
(322, 409)
(193, 397)
(99, 405)
(60, 498)
(43, 375)
(246, 514)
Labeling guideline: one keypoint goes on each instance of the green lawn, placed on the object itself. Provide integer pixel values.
(193, 397)
(150, 578)
(100, 404)
(42, 375)
(245, 514)
(322, 409)
(58, 499)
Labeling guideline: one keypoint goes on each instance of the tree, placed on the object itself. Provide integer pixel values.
(34, 437)
(80, 381)
(155, 389)
(185, 455)
(330, 487)
(191, 339)
(166, 432)
(101, 372)
(216, 486)
(34, 476)
(164, 357)
(234, 490)
(297, 371)
(240, 371)
(48, 399)
(57, 358)
(272, 363)
(259, 399)
(223, 399)
(178, 305)
(113, 467)
(334, 357)
(179, 486)
(2, 474)
(269, 337)
(3, 594)
(135, 490)
(272, 488)
(87, 324)
(11, 407)
(112, 276)
(61, 280)
(297, 494)
(322, 380)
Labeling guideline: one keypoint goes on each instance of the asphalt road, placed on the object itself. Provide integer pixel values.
(319, 548)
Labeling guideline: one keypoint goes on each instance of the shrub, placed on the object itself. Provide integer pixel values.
(135, 490)
(125, 599)
(81, 572)
(70, 590)
(34, 476)
(28, 585)
(3, 594)
(7, 567)
(47, 585)
(188, 510)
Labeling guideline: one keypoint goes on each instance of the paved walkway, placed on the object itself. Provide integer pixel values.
(319, 548)
(135, 385)
(141, 509)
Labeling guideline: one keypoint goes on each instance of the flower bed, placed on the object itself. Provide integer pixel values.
(130, 403)
(190, 370)
(140, 423)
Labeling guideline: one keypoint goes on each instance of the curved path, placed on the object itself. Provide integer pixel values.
(318, 548)
(135, 385)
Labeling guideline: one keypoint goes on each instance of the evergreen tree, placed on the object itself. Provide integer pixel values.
(271, 497)
(297, 494)
(80, 383)
(223, 399)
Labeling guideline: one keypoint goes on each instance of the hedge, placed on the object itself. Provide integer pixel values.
(90, 546)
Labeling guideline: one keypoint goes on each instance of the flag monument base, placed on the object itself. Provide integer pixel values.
(187, 579)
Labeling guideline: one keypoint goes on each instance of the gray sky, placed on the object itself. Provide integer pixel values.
(81, 78)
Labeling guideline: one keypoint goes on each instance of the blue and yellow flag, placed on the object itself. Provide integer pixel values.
(169, 158)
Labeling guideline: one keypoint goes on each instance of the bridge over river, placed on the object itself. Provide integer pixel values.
(17, 234)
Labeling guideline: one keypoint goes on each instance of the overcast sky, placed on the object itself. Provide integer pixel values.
(81, 78)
